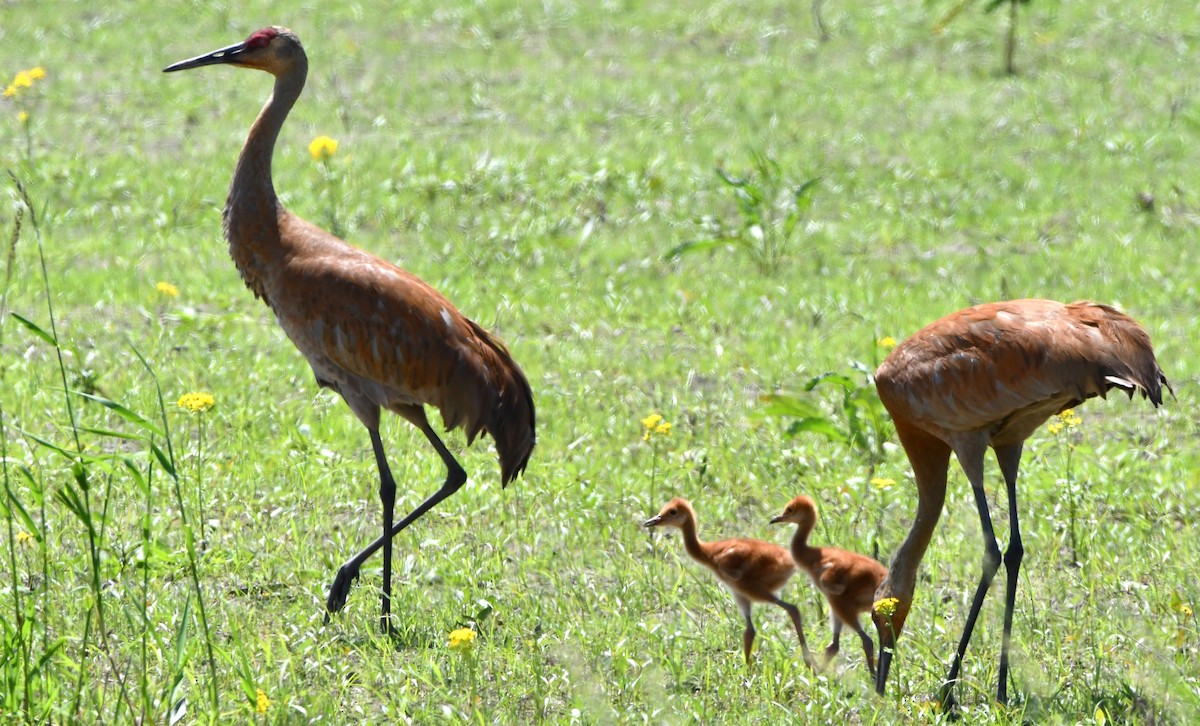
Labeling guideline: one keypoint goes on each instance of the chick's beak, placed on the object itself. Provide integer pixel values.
(780, 518)
(228, 54)
(653, 521)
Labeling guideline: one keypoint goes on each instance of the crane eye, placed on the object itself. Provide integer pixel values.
(671, 512)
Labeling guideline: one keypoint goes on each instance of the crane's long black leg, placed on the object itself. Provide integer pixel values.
(972, 464)
(1010, 462)
(387, 497)
(455, 478)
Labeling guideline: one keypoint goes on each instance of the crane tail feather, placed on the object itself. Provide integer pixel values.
(511, 421)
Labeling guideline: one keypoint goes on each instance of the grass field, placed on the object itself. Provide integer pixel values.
(537, 163)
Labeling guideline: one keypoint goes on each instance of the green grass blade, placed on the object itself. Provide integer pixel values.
(122, 411)
(35, 329)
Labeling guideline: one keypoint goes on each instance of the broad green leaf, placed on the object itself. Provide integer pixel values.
(698, 246)
(33, 328)
(51, 649)
(838, 379)
(804, 195)
(165, 462)
(26, 520)
(73, 455)
(107, 433)
(123, 412)
(822, 426)
(778, 404)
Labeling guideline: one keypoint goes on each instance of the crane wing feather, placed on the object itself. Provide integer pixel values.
(384, 338)
(1009, 366)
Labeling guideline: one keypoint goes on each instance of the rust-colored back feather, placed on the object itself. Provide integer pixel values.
(1011, 365)
(382, 337)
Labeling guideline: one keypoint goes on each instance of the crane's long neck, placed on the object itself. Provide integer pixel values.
(252, 177)
(930, 458)
(252, 210)
(804, 555)
(695, 548)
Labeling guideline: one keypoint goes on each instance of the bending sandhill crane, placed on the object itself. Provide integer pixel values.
(991, 375)
(752, 570)
(371, 331)
(848, 580)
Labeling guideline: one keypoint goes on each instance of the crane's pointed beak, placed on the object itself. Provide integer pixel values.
(777, 520)
(228, 54)
(885, 665)
(653, 521)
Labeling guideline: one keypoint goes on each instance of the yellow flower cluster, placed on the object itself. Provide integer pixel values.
(196, 402)
(882, 483)
(1066, 420)
(462, 638)
(24, 538)
(167, 289)
(654, 424)
(24, 79)
(261, 702)
(886, 606)
(886, 341)
(322, 148)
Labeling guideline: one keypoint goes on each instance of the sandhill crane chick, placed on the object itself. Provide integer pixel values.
(848, 580)
(754, 571)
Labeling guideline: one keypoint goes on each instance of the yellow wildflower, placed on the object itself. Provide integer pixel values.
(24, 538)
(23, 80)
(462, 639)
(261, 702)
(37, 73)
(1177, 605)
(886, 606)
(167, 289)
(1068, 419)
(322, 147)
(654, 424)
(10, 91)
(882, 483)
(886, 341)
(23, 117)
(196, 402)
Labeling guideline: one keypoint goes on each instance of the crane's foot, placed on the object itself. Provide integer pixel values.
(339, 591)
(946, 701)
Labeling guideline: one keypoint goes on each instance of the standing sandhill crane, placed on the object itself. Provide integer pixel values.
(848, 580)
(752, 570)
(371, 331)
(991, 375)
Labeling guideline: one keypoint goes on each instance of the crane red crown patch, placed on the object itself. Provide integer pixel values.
(260, 38)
